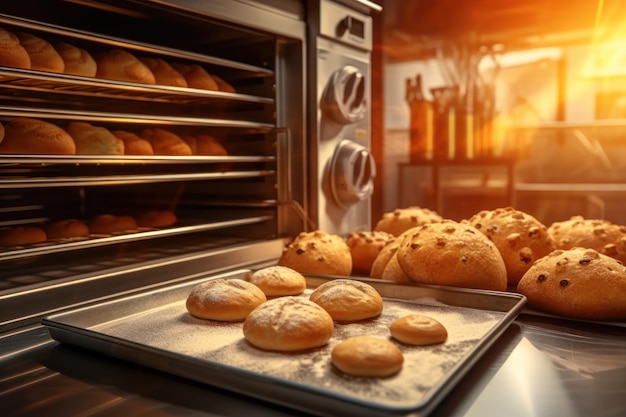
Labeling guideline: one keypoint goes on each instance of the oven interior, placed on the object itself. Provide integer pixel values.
(230, 210)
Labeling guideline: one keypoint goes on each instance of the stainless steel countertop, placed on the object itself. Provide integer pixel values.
(538, 367)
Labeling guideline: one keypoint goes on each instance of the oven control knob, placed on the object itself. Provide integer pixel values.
(344, 98)
(352, 172)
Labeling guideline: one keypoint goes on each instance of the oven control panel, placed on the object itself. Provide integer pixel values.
(343, 24)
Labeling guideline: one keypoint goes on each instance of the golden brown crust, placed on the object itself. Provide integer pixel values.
(602, 235)
(197, 77)
(24, 135)
(12, 54)
(109, 223)
(133, 144)
(577, 282)
(94, 140)
(451, 253)
(348, 300)
(288, 324)
(520, 238)
(65, 229)
(205, 145)
(365, 247)
(369, 356)
(1, 132)
(317, 252)
(223, 85)
(164, 73)
(224, 299)
(394, 272)
(165, 142)
(403, 219)
(157, 218)
(77, 60)
(22, 235)
(121, 65)
(418, 329)
(42, 54)
(277, 281)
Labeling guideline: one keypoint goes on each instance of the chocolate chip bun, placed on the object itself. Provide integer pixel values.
(578, 283)
(602, 235)
(278, 281)
(365, 247)
(403, 219)
(288, 324)
(520, 238)
(318, 252)
(368, 356)
(224, 299)
(451, 253)
(348, 300)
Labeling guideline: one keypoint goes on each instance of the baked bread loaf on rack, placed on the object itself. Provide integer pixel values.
(318, 252)
(29, 136)
(157, 218)
(133, 144)
(165, 142)
(94, 140)
(205, 145)
(22, 235)
(197, 77)
(42, 54)
(402, 219)
(109, 223)
(12, 54)
(121, 65)
(164, 73)
(77, 60)
(66, 229)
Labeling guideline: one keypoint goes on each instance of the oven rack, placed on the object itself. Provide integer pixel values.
(121, 160)
(40, 81)
(98, 240)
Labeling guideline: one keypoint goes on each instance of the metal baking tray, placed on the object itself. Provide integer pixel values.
(154, 329)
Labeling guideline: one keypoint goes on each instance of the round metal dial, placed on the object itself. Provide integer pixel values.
(344, 98)
(352, 173)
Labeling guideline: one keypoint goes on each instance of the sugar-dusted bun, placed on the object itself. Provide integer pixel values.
(288, 324)
(77, 60)
(42, 54)
(22, 235)
(205, 145)
(369, 356)
(520, 238)
(24, 135)
(164, 73)
(579, 283)
(403, 219)
(318, 252)
(197, 77)
(157, 218)
(117, 64)
(65, 229)
(165, 142)
(365, 247)
(133, 144)
(109, 223)
(602, 235)
(418, 329)
(94, 140)
(12, 54)
(451, 253)
(348, 299)
(278, 281)
(224, 299)
(223, 85)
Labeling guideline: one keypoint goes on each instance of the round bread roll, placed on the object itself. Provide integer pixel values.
(157, 218)
(318, 252)
(394, 272)
(42, 54)
(1, 132)
(348, 300)
(22, 235)
(65, 229)
(164, 73)
(223, 85)
(288, 324)
(578, 283)
(403, 219)
(197, 77)
(224, 299)
(205, 145)
(24, 135)
(77, 60)
(365, 247)
(520, 238)
(117, 64)
(109, 223)
(454, 254)
(94, 140)
(165, 142)
(602, 235)
(278, 281)
(368, 356)
(382, 259)
(133, 144)
(418, 329)
(12, 54)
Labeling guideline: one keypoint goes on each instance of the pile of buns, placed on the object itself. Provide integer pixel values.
(276, 315)
(102, 224)
(30, 51)
(31, 136)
